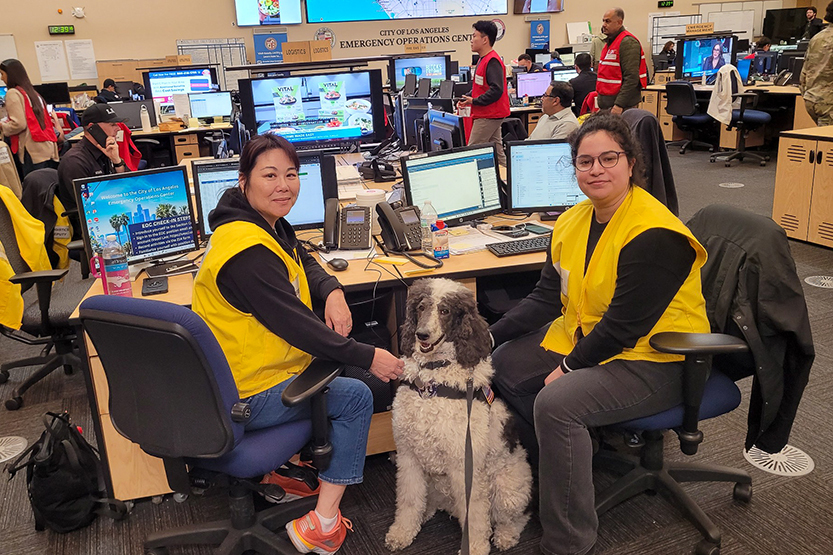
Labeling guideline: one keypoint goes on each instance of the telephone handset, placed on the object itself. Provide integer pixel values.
(346, 228)
(783, 77)
(401, 231)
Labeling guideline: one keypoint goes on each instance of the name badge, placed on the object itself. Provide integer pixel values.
(478, 79)
(61, 232)
(120, 136)
(611, 55)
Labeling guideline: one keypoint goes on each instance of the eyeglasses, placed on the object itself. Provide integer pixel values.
(609, 159)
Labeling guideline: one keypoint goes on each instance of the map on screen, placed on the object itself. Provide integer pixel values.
(326, 11)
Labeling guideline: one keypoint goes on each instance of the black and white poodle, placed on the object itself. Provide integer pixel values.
(446, 343)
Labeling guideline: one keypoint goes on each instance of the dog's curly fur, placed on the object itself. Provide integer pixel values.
(442, 323)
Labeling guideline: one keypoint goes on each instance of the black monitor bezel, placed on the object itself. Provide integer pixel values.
(392, 67)
(511, 206)
(77, 183)
(459, 220)
(249, 119)
(64, 88)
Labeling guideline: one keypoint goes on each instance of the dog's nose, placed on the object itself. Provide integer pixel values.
(421, 335)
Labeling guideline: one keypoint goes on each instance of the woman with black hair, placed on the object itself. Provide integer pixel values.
(31, 131)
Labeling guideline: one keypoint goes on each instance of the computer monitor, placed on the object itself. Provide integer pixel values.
(132, 112)
(541, 176)
(3, 92)
(434, 68)
(472, 170)
(316, 110)
(54, 93)
(533, 84)
(744, 66)
(564, 74)
(695, 56)
(162, 84)
(125, 89)
(446, 89)
(423, 87)
(661, 62)
(410, 88)
(149, 211)
(542, 58)
(445, 130)
(210, 105)
(568, 59)
(766, 63)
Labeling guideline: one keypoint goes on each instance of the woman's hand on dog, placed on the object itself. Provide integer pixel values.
(385, 366)
(337, 313)
(554, 375)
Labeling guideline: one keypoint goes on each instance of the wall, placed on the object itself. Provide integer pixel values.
(149, 29)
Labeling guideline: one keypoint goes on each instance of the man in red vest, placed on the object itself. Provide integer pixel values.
(489, 100)
(623, 72)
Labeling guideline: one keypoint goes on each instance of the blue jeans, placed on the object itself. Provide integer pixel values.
(349, 406)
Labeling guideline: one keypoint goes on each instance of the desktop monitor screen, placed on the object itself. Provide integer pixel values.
(316, 109)
(705, 55)
(434, 68)
(149, 211)
(210, 105)
(163, 84)
(743, 69)
(473, 173)
(3, 92)
(565, 74)
(541, 176)
(568, 59)
(533, 84)
(54, 93)
(542, 58)
(267, 12)
(765, 63)
(132, 112)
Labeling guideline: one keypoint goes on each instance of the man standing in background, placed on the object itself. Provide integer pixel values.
(814, 24)
(816, 81)
(489, 100)
(596, 46)
(623, 72)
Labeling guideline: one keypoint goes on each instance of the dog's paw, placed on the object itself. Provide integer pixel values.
(398, 538)
(505, 541)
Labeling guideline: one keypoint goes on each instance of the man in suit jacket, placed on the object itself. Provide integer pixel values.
(585, 83)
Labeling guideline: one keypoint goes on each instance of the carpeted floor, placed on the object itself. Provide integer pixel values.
(786, 516)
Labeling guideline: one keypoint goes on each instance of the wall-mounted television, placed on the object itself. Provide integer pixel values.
(430, 67)
(538, 6)
(251, 13)
(704, 55)
(327, 11)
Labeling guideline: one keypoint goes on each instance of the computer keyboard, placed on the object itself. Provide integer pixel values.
(522, 246)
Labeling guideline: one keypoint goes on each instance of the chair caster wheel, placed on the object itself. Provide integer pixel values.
(728, 164)
(4, 376)
(14, 403)
(180, 497)
(712, 160)
(763, 164)
(711, 149)
(706, 547)
(682, 151)
(766, 158)
(156, 551)
(157, 499)
(742, 492)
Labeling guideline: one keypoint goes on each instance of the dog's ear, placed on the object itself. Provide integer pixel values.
(470, 332)
(407, 333)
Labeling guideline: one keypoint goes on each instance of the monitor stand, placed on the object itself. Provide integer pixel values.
(157, 268)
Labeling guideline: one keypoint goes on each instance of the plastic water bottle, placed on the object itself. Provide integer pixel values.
(115, 268)
(145, 117)
(427, 217)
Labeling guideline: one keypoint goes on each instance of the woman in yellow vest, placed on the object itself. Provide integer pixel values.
(254, 290)
(575, 354)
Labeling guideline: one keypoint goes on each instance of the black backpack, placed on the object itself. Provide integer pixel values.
(64, 478)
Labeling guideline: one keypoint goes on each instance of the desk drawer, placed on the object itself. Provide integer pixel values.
(186, 139)
(186, 151)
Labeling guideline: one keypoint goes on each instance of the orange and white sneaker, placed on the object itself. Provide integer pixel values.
(295, 488)
(305, 534)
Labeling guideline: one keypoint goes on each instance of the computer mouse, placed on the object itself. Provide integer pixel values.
(338, 264)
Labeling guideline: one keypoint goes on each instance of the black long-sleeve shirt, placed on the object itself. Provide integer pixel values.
(256, 281)
(651, 269)
(496, 81)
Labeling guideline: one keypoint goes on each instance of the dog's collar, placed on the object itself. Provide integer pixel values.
(431, 389)
(434, 364)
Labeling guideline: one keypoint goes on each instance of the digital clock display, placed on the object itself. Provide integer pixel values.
(62, 29)
(665, 4)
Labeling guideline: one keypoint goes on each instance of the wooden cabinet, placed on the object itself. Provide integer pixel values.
(803, 200)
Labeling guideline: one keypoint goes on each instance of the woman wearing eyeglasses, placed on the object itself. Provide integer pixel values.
(575, 353)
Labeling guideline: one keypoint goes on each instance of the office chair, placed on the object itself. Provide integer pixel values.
(744, 120)
(179, 402)
(682, 104)
(45, 319)
(659, 179)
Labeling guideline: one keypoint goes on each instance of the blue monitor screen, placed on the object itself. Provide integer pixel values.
(433, 68)
(3, 92)
(706, 55)
(743, 69)
(149, 212)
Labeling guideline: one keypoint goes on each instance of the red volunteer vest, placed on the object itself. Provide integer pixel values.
(609, 78)
(39, 134)
(499, 109)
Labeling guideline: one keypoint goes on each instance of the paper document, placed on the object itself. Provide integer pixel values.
(52, 60)
(81, 58)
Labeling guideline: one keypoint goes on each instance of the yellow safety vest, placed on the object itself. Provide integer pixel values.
(258, 358)
(585, 297)
(11, 302)
(62, 234)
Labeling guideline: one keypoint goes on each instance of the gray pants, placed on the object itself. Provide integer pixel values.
(485, 131)
(562, 412)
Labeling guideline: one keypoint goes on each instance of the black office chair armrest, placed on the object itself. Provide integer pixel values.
(70, 212)
(44, 276)
(311, 381)
(698, 349)
(77, 245)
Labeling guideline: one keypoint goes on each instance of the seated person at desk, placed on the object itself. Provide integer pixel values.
(108, 93)
(558, 120)
(714, 61)
(763, 44)
(525, 60)
(669, 52)
(555, 61)
(585, 83)
(97, 153)
(254, 291)
(629, 269)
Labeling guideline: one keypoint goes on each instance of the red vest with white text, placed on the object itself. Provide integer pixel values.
(609, 78)
(498, 109)
(39, 134)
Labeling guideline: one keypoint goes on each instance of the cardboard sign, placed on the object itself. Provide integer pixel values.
(414, 48)
(178, 60)
(320, 50)
(699, 28)
(296, 51)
